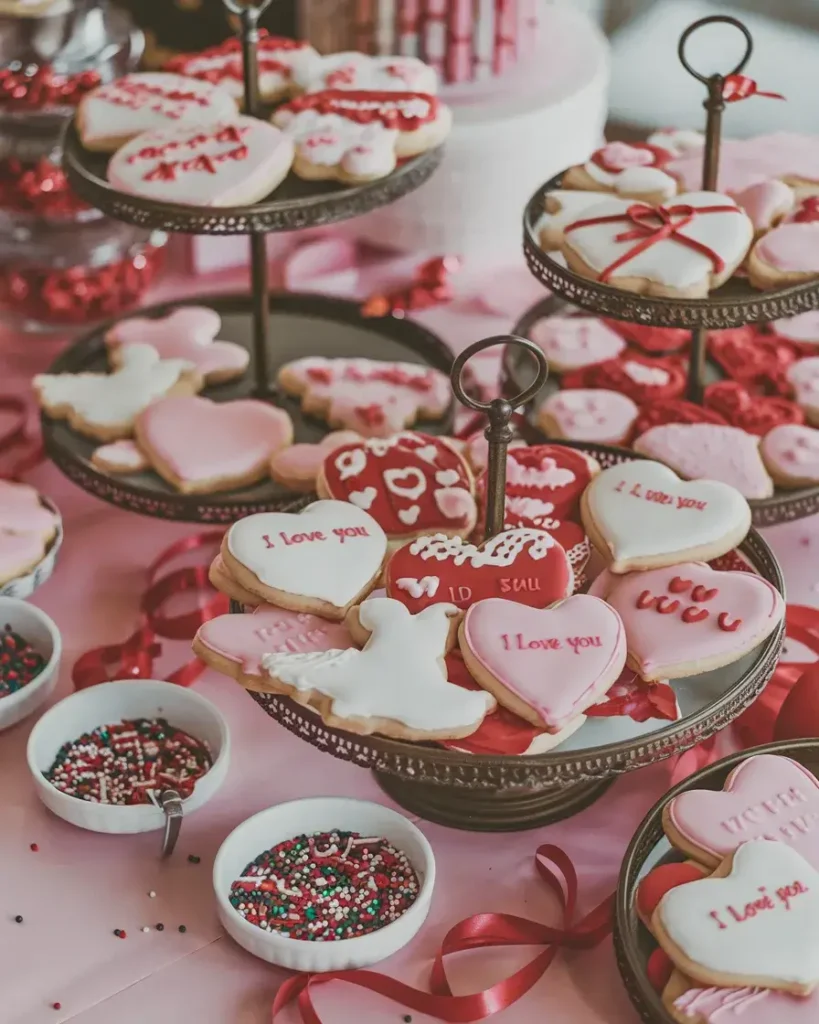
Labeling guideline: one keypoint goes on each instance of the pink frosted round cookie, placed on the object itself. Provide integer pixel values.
(802, 328)
(228, 163)
(298, 465)
(791, 453)
(766, 203)
(787, 255)
(202, 447)
(120, 457)
(707, 451)
(588, 415)
(21, 511)
(803, 375)
(572, 342)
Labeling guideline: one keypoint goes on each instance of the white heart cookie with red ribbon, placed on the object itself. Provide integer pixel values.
(323, 559)
(629, 168)
(755, 922)
(546, 665)
(352, 70)
(111, 115)
(640, 515)
(224, 164)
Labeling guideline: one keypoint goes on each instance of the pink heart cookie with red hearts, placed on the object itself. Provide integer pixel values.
(410, 484)
(202, 447)
(547, 665)
(689, 618)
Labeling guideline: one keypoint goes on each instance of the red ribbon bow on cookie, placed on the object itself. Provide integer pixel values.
(740, 87)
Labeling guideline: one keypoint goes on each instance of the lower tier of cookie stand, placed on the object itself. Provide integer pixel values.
(299, 325)
(485, 793)
(735, 304)
(649, 847)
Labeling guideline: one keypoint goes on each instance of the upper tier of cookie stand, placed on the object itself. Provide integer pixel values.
(301, 325)
(734, 304)
(293, 205)
(648, 848)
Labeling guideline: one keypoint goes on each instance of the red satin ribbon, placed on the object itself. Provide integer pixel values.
(740, 87)
(15, 436)
(483, 931)
(134, 658)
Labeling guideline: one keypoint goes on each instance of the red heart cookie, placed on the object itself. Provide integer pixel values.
(654, 341)
(640, 377)
(543, 481)
(410, 483)
(753, 413)
(527, 566)
(755, 360)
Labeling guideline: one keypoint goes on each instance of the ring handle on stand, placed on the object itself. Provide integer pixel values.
(498, 411)
(724, 19)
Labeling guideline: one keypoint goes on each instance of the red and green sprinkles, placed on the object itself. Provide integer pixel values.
(129, 763)
(325, 887)
(20, 663)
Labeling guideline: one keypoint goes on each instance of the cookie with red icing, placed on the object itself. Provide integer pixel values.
(655, 341)
(753, 359)
(676, 410)
(632, 169)
(789, 254)
(410, 484)
(791, 454)
(544, 481)
(639, 377)
(755, 414)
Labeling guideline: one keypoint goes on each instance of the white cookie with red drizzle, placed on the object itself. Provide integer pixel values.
(630, 169)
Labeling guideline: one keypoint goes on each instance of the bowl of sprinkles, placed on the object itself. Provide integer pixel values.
(325, 884)
(30, 649)
(102, 757)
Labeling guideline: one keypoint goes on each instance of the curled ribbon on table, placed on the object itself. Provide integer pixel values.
(14, 436)
(431, 285)
(482, 931)
(134, 658)
(740, 87)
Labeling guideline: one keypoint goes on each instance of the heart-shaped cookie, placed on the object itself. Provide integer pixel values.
(661, 880)
(551, 475)
(766, 797)
(202, 447)
(803, 377)
(627, 168)
(791, 454)
(545, 664)
(689, 618)
(640, 514)
(19, 553)
(757, 925)
(527, 566)
(323, 559)
(573, 342)
(410, 484)
(755, 414)
(298, 465)
(588, 415)
(21, 511)
(640, 377)
(785, 255)
(748, 1005)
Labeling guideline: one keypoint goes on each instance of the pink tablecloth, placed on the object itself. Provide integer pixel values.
(80, 886)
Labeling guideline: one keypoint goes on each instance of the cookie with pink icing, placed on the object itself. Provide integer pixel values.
(120, 458)
(359, 136)
(21, 511)
(358, 71)
(787, 156)
(113, 114)
(19, 554)
(374, 398)
(802, 329)
(803, 377)
(787, 255)
(708, 451)
(628, 245)
(227, 163)
(573, 342)
(766, 203)
(588, 415)
(689, 1004)
(632, 169)
(561, 207)
(791, 453)
(297, 466)
(187, 332)
(203, 447)
(686, 619)
(545, 664)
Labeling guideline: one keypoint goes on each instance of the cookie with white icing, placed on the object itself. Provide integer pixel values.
(677, 140)
(120, 458)
(574, 342)
(357, 71)
(787, 255)
(631, 169)
(561, 207)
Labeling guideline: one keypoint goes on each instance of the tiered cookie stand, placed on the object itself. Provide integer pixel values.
(734, 304)
(276, 328)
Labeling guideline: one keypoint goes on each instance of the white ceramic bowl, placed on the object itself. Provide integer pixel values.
(24, 586)
(113, 702)
(36, 627)
(322, 814)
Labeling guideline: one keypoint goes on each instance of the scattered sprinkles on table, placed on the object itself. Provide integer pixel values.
(130, 763)
(20, 663)
(326, 886)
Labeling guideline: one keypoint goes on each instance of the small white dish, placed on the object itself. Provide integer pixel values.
(322, 814)
(24, 586)
(113, 702)
(43, 635)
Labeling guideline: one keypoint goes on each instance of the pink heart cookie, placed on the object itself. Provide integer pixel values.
(584, 414)
(201, 446)
(186, 333)
(708, 451)
(803, 376)
(547, 665)
(19, 553)
(746, 1006)
(787, 255)
(572, 342)
(21, 511)
(228, 163)
(803, 329)
(791, 453)
(743, 162)
(766, 203)
(110, 116)
(689, 618)
(298, 465)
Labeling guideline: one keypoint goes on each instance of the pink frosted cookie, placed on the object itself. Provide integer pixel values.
(21, 511)
(546, 665)
(186, 333)
(19, 553)
(766, 797)
(791, 453)
(120, 457)
(707, 451)
(562, 207)
(625, 244)
(738, 1005)
(359, 136)
(112, 115)
(572, 342)
(640, 515)
(202, 447)
(803, 329)
(632, 169)
(227, 163)
(787, 255)
(803, 376)
(298, 466)
(358, 71)
(376, 399)
(410, 484)
(766, 203)
(588, 415)
(688, 618)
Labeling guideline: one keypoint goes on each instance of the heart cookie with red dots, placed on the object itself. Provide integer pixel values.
(755, 414)
(410, 484)
(791, 454)
(640, 377)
